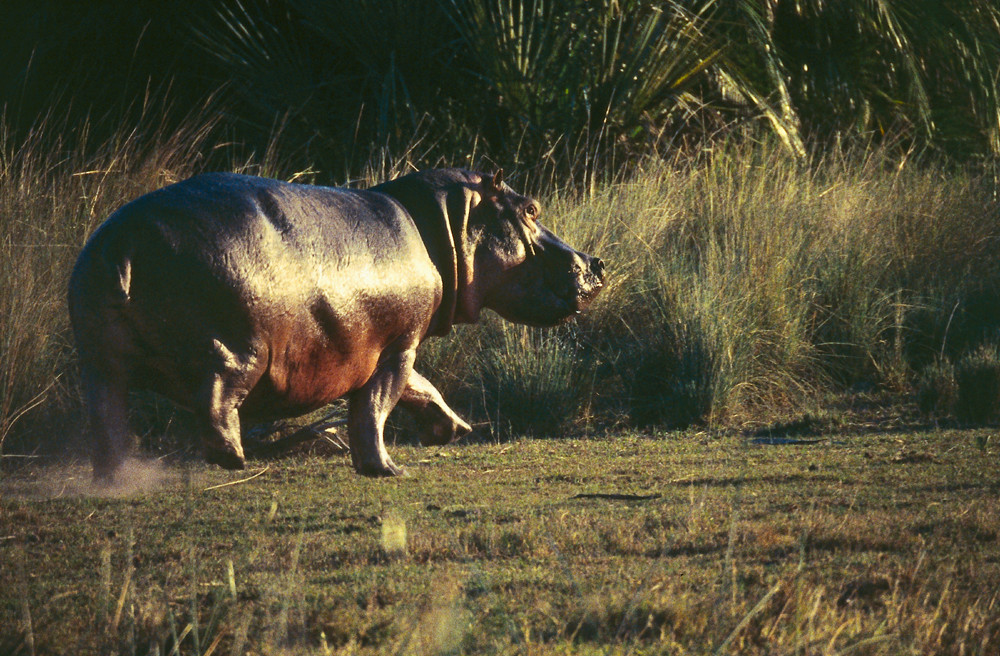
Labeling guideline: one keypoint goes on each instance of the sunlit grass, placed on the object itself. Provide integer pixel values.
(743, 282)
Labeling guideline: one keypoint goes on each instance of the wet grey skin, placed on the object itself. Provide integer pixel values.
(246, 300)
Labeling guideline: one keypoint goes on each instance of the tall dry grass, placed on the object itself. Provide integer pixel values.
(55, 188)
(743, 281)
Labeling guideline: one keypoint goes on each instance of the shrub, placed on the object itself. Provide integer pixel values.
(533, 382)
(978, 378)
(580, 86)
(937, 389)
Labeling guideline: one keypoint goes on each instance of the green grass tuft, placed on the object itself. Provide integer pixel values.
(533, 382)
(937, 389)
(977, 376)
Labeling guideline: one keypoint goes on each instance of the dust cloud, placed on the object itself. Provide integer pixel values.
(137, 476)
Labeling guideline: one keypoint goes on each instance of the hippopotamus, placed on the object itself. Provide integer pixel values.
(246, 299)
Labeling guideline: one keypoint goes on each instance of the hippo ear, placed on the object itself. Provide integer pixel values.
(497, 182)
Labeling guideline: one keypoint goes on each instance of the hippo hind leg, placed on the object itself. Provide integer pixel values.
(219, 424)
(107, 406)
(438, 423)
(217, 407)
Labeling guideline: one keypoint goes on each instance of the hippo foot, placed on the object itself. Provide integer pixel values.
(445, 430)
(105, 478)
(380, 470)
(462, 428)
(224, 459)
(108, 473)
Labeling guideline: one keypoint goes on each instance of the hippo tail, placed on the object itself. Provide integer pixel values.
(102, 276)
(120, 274)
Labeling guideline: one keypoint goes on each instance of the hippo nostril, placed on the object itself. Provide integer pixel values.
(597, 267)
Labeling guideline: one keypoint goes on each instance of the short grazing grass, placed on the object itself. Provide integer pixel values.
(878, 543)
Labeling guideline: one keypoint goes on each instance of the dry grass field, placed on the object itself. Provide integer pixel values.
(878, 542)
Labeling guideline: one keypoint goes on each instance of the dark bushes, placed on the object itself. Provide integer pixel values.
(977, 377)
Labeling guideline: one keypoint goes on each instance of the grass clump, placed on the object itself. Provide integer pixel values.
(672, 379)
(744, 281)
(977, 377)
(533, 383)
(937, 389)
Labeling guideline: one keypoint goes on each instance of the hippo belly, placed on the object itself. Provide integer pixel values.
(333, 346)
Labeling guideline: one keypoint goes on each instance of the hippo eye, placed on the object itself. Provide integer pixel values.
(531, 212)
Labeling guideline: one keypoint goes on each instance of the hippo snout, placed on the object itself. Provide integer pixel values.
(585, 281)
(589, 281)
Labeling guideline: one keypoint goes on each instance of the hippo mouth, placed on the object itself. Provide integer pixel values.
(570, 301)
(584, 287)
(573, 302)
(548, 296)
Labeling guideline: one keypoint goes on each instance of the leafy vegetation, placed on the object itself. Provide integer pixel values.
(569, 90)
(581, 89)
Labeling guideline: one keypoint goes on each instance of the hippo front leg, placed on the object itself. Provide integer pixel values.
(438, 423)
(368, 409)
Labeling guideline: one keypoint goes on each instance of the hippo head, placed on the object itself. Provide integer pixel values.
(492, 251)
(520, 270)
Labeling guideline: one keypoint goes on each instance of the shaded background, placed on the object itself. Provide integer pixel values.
(564, 87)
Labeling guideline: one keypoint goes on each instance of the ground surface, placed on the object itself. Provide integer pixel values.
(881, 543)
